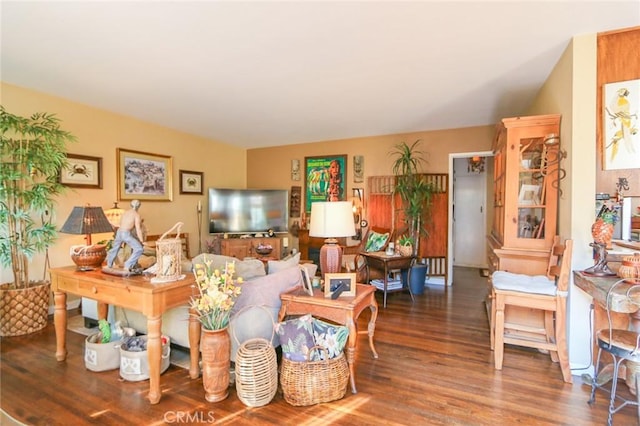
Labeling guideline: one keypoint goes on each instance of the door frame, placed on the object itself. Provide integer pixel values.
(452, 156)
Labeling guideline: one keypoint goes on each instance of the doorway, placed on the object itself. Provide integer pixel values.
(468, 210)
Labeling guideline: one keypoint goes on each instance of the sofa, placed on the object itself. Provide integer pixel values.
(253, 315)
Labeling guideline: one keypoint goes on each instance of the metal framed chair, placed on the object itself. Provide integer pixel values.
(621, 345)
(547, 293)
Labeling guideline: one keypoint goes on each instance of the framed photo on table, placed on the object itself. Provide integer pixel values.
(190, 182)
(144, 176)
(83, 171)
(345, 282)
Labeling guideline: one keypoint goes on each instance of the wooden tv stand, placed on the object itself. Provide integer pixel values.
(245, 247)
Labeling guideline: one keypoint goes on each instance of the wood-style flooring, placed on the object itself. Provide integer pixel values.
(435, 368)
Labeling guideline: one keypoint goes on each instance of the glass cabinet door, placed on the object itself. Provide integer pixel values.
(537, 166)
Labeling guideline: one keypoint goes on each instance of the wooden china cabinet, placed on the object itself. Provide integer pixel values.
(526, 180)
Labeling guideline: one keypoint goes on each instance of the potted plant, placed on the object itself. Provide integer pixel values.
(32, 152)
(405, 245)
(415, 195)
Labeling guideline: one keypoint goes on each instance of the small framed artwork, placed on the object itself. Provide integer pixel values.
(83, 171)
(294, 201)
(342, 284)
(529, 195)
(191, 182)
(295, 169)
(144, 176)
(358, 168)
(324, 179)
(307, 285)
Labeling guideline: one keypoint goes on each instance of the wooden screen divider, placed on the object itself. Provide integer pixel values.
(381, 212)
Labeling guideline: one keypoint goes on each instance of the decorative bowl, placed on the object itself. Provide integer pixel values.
(264, 250)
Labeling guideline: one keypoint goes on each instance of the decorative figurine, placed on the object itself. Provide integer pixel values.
(130, 220)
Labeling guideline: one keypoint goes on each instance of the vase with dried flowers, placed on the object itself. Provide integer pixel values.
(216, 294)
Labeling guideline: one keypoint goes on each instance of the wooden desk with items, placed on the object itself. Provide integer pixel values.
(136, 293)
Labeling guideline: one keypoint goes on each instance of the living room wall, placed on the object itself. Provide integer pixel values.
(99, 133)
(271, 167)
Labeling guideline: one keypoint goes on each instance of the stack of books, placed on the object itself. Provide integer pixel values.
(391, 284)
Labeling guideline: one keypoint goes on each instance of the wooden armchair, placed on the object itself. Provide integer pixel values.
(353, 262)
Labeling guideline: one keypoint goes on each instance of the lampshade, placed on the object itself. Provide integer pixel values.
(331, 220)
(114, 215)
(87, 220)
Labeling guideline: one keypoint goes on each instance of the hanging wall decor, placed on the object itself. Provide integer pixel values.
(358, 168)
(325, 179)
(294, 201)
(295, 169)
(621, 139)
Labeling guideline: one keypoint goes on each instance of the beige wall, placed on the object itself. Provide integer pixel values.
(99, 133)
(271, 167)
(571, 91)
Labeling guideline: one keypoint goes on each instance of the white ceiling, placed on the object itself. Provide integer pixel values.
(266, 73)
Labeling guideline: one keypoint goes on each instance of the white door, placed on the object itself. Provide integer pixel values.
(469, 234)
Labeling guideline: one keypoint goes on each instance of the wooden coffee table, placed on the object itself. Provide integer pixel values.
(344, 311)
(136, 293)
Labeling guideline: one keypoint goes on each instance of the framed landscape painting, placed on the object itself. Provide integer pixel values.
(324, 179)
(144, 176)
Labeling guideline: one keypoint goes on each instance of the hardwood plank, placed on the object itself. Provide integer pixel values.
(435, 367)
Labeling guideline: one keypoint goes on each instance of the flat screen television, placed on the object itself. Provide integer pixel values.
(248, 211)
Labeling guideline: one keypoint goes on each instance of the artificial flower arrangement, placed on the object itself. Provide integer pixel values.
(217, 293)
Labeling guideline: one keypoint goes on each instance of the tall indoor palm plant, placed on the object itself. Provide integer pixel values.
(413, 189)
(32, 153)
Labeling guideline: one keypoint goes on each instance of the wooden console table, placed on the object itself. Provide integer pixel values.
(344, 310)
(135, 293)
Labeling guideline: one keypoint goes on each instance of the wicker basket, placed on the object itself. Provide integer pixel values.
(312, 382)
(256, 371)
(405, 250)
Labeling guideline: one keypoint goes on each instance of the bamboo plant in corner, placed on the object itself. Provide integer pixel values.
(32, 153)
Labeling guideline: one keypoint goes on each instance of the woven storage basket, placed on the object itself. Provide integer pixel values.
(405, 250)
(256, 371)
(313, 382)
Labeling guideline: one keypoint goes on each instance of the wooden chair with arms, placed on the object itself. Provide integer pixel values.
(352, 260)
(546, 293)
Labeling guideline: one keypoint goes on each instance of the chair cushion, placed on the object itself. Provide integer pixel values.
(532, 284)
(376, 241)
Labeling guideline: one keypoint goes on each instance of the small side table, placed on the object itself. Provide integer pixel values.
(344, 310)
(385, 262)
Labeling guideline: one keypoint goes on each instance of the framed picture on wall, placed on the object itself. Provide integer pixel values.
(83, 172)
(324, 179)
(621, 138)
(190, 182)
(144, 176)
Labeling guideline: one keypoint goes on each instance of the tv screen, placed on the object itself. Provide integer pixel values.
(248, 211)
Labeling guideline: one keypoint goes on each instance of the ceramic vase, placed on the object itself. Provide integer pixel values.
(602, 232)
(215, 346)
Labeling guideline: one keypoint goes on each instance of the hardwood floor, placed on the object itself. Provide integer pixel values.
(435, 367)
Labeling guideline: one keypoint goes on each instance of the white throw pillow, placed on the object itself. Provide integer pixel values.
(279, 265)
